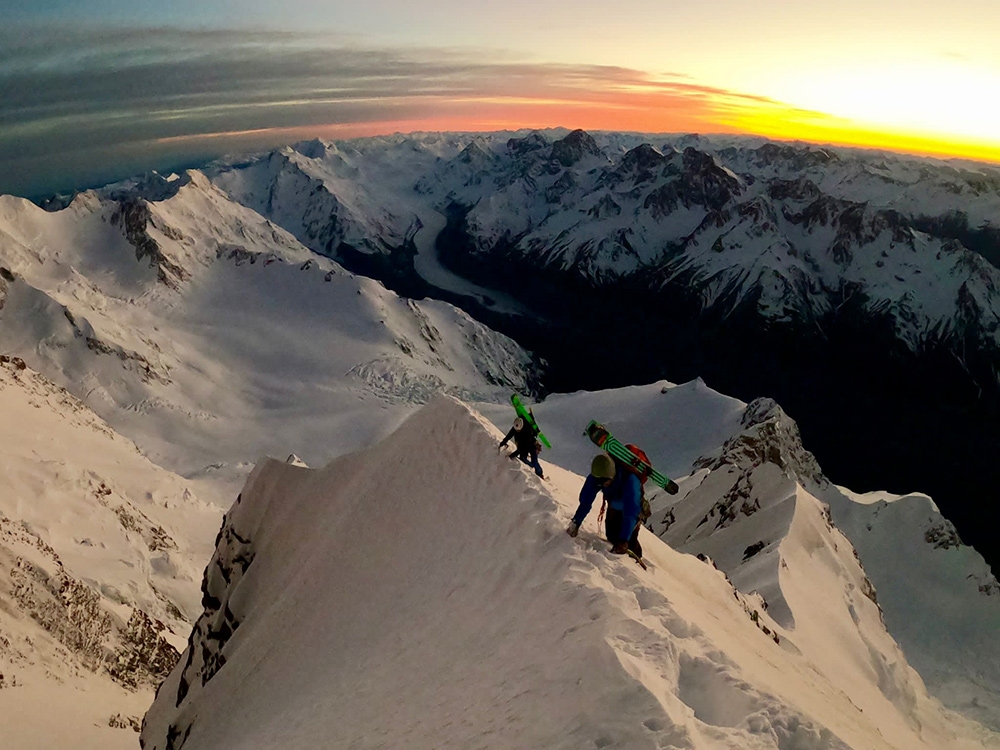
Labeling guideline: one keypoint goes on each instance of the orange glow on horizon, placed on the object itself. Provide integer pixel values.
(815, 127)
(652, 108)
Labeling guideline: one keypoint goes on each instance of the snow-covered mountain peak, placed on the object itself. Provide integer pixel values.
(263, 343)
(574, 147)
(769, 436)
(679, 209)
(317, 148)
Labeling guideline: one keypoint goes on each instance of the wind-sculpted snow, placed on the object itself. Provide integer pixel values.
(423, 594)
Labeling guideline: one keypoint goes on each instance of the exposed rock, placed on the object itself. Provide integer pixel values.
(530, 143)
(205, 657)
(134, 217)
(143, 655)
(943, 536)
(770, 436)
(125, 722)
(569, 150)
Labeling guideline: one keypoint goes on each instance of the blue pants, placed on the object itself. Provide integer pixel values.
(613, 529)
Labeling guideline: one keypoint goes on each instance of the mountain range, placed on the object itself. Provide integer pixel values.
(159, 336)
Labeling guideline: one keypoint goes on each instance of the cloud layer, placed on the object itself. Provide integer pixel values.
(84, 107)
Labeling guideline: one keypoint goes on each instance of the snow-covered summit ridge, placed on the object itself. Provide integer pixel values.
(483, 623)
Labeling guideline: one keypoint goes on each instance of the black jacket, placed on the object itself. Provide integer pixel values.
(524, 440)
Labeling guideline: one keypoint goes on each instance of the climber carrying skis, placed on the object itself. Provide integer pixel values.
(525, 436)
(622, 491)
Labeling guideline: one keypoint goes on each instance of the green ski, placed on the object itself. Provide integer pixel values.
(528, 417)
(600, 436)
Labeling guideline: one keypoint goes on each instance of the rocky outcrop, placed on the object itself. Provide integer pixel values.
(5, 277)
(78, 617)
(131, 360)
(134, 218)
(769, 436)
(205, 652)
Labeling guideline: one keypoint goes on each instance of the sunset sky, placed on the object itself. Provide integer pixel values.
(94, 90)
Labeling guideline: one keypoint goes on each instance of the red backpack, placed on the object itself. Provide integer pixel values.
(643, 474)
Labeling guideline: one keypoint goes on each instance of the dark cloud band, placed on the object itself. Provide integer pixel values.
(80, 94)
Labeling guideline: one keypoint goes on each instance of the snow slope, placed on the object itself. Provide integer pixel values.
(914, 556)
(101, 552)
(406, 597)
(210, 336)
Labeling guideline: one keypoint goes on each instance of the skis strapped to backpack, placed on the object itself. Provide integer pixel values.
(528, 417)
(600, 436)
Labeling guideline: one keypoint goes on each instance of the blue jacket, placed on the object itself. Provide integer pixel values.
(622, 494)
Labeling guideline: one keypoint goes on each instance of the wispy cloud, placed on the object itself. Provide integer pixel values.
(73, 100)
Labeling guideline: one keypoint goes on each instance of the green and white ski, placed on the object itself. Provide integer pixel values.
(602, 438)
(529, 418)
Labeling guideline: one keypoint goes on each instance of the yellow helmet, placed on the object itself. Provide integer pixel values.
(603, 466)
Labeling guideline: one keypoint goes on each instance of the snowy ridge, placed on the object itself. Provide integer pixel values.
(441, 604)
(749, 491)
(914, 555)
(208, 336)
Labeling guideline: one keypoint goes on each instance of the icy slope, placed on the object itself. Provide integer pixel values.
(422, 594)
(100, 554)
